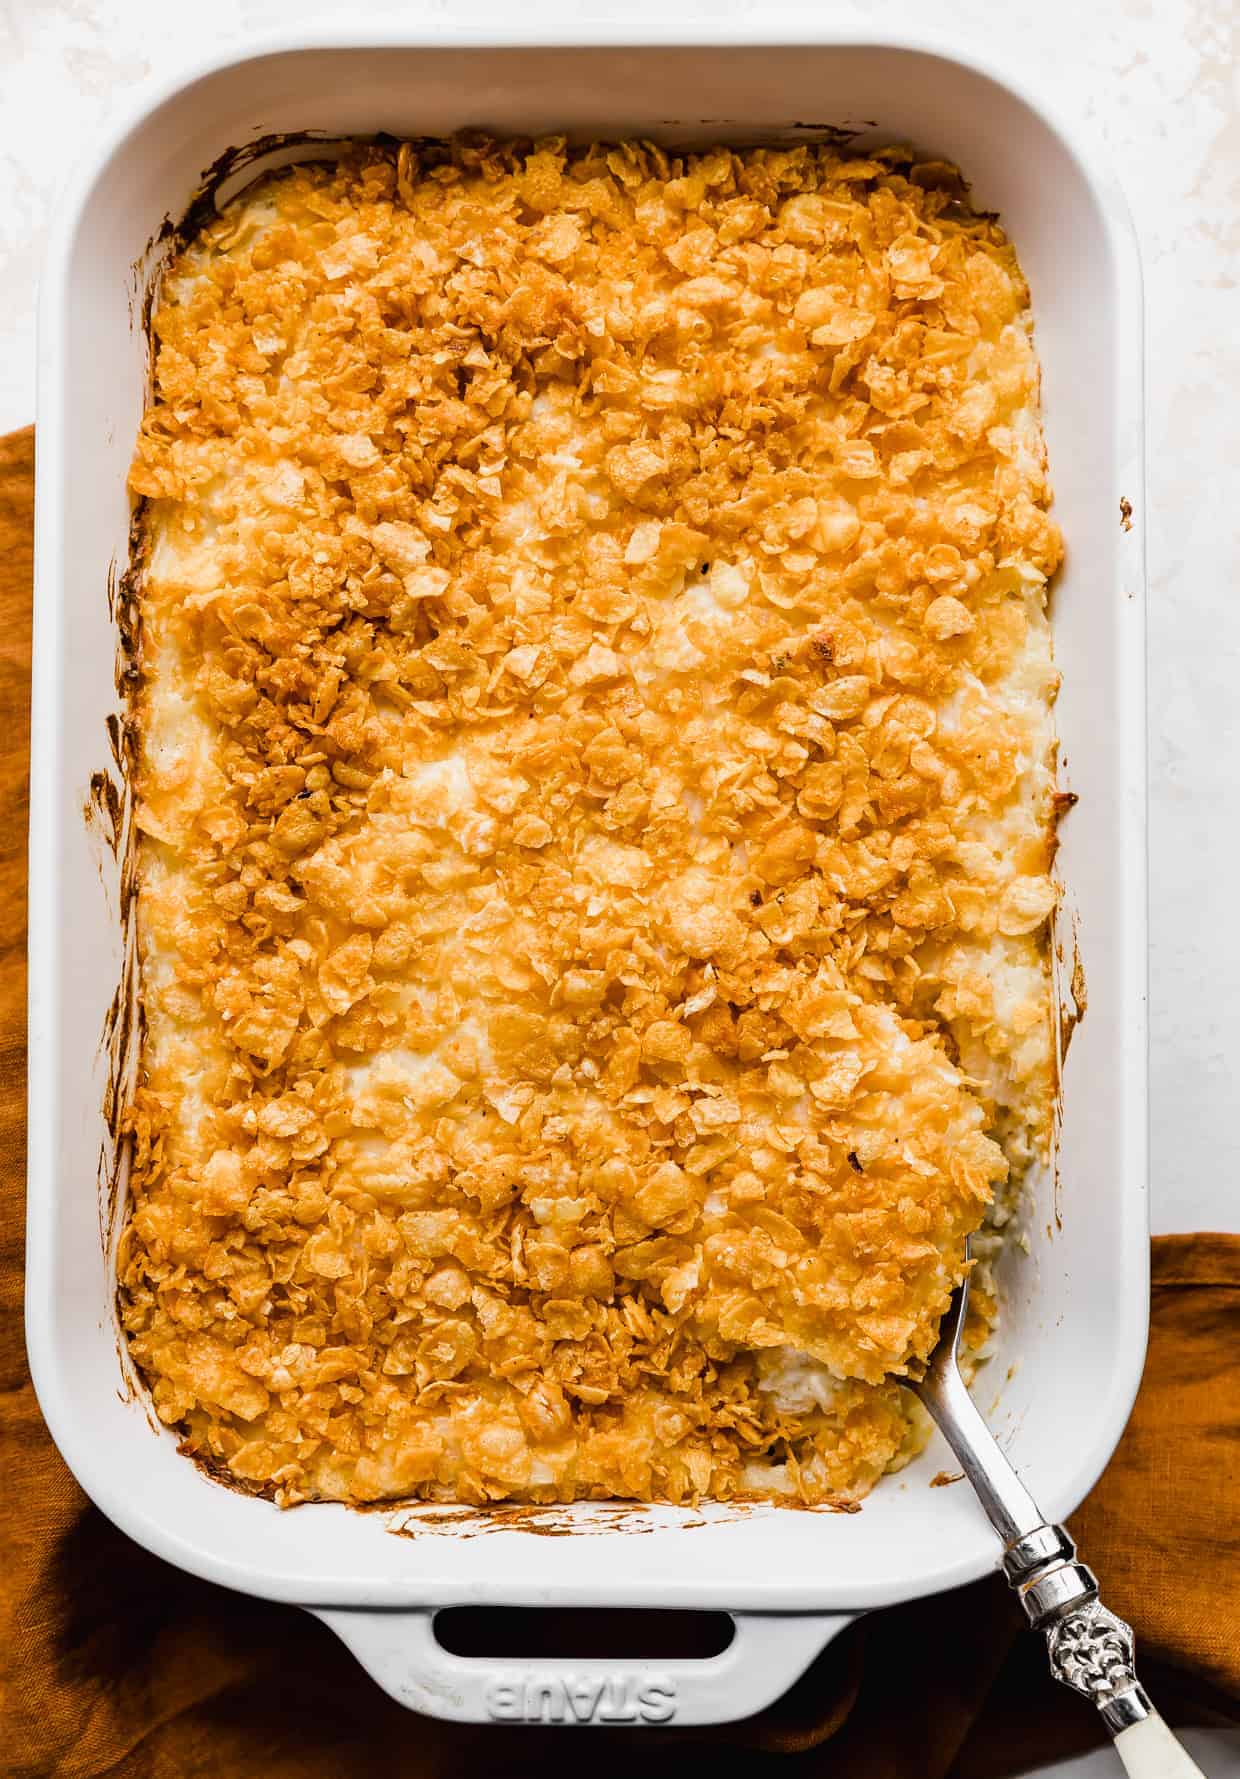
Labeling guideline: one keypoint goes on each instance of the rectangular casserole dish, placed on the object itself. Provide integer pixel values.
(1072, 1337)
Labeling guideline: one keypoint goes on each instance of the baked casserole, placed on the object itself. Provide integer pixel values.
(596, 803)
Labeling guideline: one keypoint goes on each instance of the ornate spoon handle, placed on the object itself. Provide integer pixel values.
(1090, 1649)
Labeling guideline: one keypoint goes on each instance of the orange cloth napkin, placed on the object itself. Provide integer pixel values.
(113, 1663)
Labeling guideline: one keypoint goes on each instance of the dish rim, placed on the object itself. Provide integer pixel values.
(82, 1454)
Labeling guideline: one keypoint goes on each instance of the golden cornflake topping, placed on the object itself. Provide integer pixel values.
(596, 809)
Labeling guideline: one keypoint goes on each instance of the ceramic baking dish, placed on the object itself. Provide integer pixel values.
(1072, 1337)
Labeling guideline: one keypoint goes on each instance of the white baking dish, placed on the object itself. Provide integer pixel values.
(1074, 1324)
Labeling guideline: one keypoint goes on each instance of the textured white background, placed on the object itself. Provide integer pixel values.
(1159, 83)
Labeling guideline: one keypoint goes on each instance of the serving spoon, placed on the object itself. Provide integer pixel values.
(1090, 1649)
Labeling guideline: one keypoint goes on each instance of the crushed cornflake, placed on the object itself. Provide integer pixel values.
(596, 814)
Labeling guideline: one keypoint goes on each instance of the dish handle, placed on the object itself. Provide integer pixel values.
(399, 1649)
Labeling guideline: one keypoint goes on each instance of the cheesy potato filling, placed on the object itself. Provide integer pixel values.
(596, 802)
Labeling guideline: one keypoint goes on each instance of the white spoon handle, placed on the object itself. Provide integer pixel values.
(1149, 1751)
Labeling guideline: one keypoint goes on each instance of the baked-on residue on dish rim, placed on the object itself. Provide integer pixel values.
(746, 687)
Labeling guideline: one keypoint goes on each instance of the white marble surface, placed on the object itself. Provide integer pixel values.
(1159, 82)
